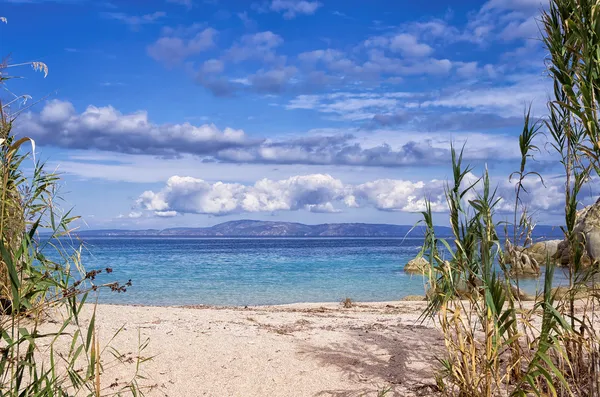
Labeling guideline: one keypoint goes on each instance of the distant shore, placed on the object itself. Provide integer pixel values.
(247, 228)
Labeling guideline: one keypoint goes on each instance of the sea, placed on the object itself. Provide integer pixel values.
(257, 271)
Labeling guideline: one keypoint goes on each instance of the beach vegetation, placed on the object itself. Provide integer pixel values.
(496, 344)
(49, 343)
(347, 303)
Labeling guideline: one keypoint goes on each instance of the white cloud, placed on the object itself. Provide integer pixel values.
(293, 8)
(328, 55)
(522, 29)
(508, 100)
(213, 66)
(351, 105)
(273, 80)
(173, 49)
(273, 77)
(191, 195)
(398, 195)
(165, 214)
(257, 46)
(324, 193)
(506, 19)
(106, 128)
(378, 143)
(380, 63)
(408, 45)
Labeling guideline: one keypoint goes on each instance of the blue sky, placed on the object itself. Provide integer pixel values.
(195, 112)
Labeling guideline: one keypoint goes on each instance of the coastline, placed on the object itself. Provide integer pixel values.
(282, 306)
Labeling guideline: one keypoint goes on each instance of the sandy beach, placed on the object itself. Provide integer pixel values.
(290, 350)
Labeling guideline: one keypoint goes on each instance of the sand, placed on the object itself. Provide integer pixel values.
(291, 350)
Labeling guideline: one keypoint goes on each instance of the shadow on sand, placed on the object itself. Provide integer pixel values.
(400, 358)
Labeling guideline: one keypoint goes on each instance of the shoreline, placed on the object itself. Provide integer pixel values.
(293, 306)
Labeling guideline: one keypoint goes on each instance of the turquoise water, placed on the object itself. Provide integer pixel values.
(189, 271)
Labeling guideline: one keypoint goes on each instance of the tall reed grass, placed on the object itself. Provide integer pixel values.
(42, 277)
(497, 345)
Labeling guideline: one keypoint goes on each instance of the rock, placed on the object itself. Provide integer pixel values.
(592, 244)
(522, 295)
(563, 256)
(521, 262)
(527, 261)
(417, 265)
(543, 250)
(587, 229)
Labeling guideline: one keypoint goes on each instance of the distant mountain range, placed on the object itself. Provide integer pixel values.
(250, 228)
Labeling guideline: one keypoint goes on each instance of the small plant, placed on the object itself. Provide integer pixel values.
(347, 303)
(384, 392)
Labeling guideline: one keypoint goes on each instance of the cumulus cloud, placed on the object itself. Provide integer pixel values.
(328, 55)
(381, 63)
(273, 80)
(506, 19)
(339, 150)
(106, 128)
(256, 62)
(213, 66)
(324, 193)
(191, 195)
(255, 46)
(404, 43)
(521, 29)
(274, 77)
(173, 48)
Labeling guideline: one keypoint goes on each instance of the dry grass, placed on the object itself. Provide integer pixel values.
(347, 303)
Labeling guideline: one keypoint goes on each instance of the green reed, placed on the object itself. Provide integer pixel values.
(496, 345)
(68, 360)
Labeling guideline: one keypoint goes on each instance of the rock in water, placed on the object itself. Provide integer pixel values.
(543, 250)
(521, 262)
(417, 265)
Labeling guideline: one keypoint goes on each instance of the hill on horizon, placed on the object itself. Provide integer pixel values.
(254, 228)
